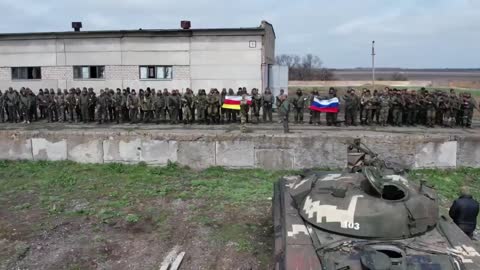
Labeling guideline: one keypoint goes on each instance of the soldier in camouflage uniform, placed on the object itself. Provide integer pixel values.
(102, 110)
(231, 114)
(24, 106)
(92, 102)
(187, 106)
(133, 103)
(160, 107)
(284, 110)
(256, 105)
(71, 102)
(397, 108)
(412, 103)
(430, 106)
(366, 103)
(11, 102)
(244, 107)
(468, 106)
(332, 116)
(454, 108)
(173, 107)
(147, 107)
(41, 104)
(223, 112)
(314, 115)
(2, 107)
(267, 100)
(213, 101)
(60, 105)
(384, 103)
(298, 102)
(352, 103)
(201, 105)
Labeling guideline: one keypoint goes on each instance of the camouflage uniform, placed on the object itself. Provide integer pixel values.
(71, 102)
(133, 104)
(284, 110)
(102, 107)
(11, 101)
(173, 107)
(298, 103)
(411, 103)
(83, 104)
(147, 107)
(430, 109)
(351, 107)
(60, 102)
(24, 106)
(244, 107)
(201, 105)
(2, 107)
(384, 109)
(267, 106)
(397, 109)
(160, 107)
(256, 105)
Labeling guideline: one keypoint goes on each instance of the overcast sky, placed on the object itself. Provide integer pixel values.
(408, 33)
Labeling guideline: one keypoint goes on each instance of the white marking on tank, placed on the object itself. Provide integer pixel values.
(330, 212)
(297, 229)
(296, 185)
(330, 177)
(464, 251)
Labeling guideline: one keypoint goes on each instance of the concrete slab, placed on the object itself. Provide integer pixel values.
(44, 149)
(468, 153)
(275, 159)
(319, 153)
(436, 155)
(85, 150)
(197, 154)
(123, 151)
(235, 154)
(157, 152)
(15, 147)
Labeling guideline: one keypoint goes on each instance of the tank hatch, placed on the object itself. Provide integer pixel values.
(365, 205)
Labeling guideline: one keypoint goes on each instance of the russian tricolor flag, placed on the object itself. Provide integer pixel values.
(326, 105)
(233, 102)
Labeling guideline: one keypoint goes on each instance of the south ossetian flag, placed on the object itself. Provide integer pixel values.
(233, 102)
(325, 105)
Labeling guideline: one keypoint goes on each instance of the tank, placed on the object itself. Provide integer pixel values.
(367, 217)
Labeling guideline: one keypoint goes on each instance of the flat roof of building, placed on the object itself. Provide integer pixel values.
(260, 30)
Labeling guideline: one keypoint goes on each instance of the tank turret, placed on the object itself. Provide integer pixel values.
(369, 216)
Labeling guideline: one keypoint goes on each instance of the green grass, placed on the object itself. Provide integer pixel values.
(122, 193)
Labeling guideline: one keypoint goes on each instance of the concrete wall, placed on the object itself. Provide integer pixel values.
(291, 151)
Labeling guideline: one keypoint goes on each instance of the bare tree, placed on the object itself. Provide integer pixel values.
(308, 67)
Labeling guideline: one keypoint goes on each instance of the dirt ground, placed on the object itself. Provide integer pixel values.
(82, 243)
(115, 226)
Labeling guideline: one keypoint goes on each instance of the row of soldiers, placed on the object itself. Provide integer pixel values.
(402, 107)
(120, 106)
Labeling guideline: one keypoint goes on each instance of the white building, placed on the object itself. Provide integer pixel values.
(173, 59)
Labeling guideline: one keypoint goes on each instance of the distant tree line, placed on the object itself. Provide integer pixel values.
(305, 68)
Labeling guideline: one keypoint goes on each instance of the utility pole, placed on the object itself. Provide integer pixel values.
(373, 65)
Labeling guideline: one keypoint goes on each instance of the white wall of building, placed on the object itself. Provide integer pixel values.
(199, 61)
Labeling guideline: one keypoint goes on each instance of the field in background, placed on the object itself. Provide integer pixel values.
(63, 215)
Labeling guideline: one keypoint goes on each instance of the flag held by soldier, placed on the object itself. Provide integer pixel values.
(233, 102)
(327, 105)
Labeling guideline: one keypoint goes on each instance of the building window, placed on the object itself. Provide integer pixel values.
(26, 73)
(156, 72)
(89, 72)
